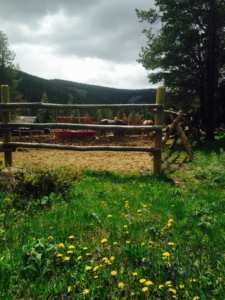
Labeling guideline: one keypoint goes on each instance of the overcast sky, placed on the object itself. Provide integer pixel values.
(91, 41)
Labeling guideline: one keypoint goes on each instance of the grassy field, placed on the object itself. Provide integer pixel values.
(118, 236)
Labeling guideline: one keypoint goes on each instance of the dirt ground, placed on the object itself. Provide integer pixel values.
(131, 162)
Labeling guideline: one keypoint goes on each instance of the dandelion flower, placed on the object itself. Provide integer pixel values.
(169, 283)
(85, 248)
(135, 274)
(50, 238)
(69, 289)
(71, 237)
(181, 286)
(115, 243)
(195, 298)
(59, 255)
(112, 258)
(104, 241)
(172, 244)
(142, 280)
(148, 283)
(86, 292)
(114, 273)
(161, 286)
(173, 291)
(71, 247)
(61, 246)
(166, 255)
(66, 258)
(79, 257)
(132, 294)
(70, 252)
(96, 268)
(87, 268)
(144, 290)
(121, 285)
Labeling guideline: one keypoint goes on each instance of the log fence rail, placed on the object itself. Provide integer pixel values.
(6, 127)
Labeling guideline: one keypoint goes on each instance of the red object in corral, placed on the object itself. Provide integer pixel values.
(69, 134)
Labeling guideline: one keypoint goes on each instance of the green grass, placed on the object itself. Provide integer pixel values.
(172, 235)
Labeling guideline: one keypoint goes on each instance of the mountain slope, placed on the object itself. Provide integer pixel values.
(61, 91)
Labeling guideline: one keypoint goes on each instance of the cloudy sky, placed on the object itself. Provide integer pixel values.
(91, 41)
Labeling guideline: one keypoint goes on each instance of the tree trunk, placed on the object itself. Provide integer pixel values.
(211, 74)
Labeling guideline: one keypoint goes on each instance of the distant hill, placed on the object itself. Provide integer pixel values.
(61, 91)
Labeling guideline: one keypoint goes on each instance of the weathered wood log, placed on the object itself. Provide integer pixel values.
(80, 126)
(17, 145)
(40, 105)
(6, 133)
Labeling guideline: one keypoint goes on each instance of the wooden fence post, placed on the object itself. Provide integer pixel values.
(159, 120)
(6, 134)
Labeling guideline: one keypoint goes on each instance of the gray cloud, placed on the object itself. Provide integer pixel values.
(101, 29)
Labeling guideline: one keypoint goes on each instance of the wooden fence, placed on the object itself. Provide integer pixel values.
(7, 126)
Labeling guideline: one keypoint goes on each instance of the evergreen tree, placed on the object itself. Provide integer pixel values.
(8, 74)
(188, 51)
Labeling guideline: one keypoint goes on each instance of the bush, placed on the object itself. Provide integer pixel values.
(43, 186)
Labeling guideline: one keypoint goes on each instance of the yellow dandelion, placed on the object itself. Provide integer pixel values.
(135, 274)
(142, 280)
(145, 290)
(195, 298)
(70, 252)
(85, 248)
(86, 292)
(96, 268)
(61, 246)
(115, 243)
(168, 283)
(88, 254)
(104, 241)
(121, 285)
(66, 258)
(71, 247)
(88, 268)
(148, 283)
(166, 255)
(161, 286)
(173, 291)
(114, 273)
(126, 204)
(71, 237)
(59, 255)
(172, 244)
(79, 257)
(112, 258)
(69, 289)
(181, 286)
(132, 294)
(50, 238)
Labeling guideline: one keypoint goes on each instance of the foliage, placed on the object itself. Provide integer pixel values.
(123, 237)
(8, 74)
(185, 49)
(61, 91)
(36, 188)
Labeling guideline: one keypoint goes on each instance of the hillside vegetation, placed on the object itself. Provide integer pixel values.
(32, 88)
(100, 235)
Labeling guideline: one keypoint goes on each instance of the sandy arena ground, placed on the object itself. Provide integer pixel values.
(112, 161)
